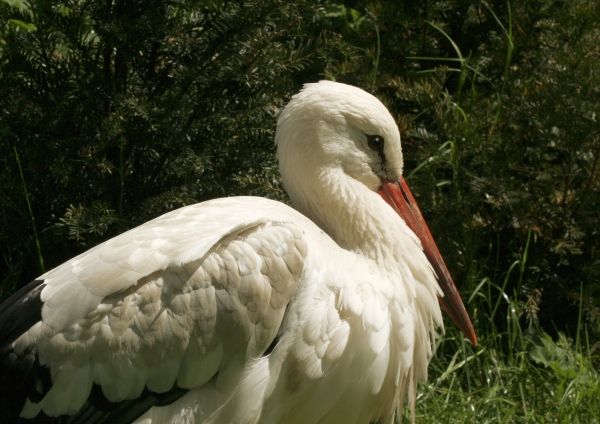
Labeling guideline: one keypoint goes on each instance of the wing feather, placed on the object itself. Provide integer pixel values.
(173, 302)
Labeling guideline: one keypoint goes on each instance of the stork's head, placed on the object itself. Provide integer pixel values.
(329, 125)
(331, 129)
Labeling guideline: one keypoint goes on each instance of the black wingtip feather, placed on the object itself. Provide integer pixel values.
(21, 374)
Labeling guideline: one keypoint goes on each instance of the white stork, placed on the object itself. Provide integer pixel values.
(244, 310)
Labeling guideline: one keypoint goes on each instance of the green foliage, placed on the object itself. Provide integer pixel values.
(123, 110)
(484, 386)
(561, 358)
(518, 373)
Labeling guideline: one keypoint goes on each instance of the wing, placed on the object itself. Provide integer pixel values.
(160, 309)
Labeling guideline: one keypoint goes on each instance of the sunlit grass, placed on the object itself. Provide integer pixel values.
(515, 375)
(495, 389)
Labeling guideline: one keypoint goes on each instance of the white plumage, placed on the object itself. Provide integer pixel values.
(340, 288)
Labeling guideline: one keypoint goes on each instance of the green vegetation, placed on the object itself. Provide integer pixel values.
(114, 112)
(520, 375)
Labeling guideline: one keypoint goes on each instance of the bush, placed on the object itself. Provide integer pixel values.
(112, 113)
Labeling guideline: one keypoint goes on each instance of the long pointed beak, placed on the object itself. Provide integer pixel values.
(399, 197)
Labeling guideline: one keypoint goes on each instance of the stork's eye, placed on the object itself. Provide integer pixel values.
(375, 142)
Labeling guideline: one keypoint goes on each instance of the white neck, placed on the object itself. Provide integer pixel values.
(357, 218)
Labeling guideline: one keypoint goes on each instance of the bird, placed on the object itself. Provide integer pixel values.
(244, 309)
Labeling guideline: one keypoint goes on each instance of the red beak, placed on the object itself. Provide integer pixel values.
(399, 197)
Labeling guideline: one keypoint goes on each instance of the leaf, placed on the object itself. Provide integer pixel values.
(65, 11)
(19, 4)
(23, 25)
